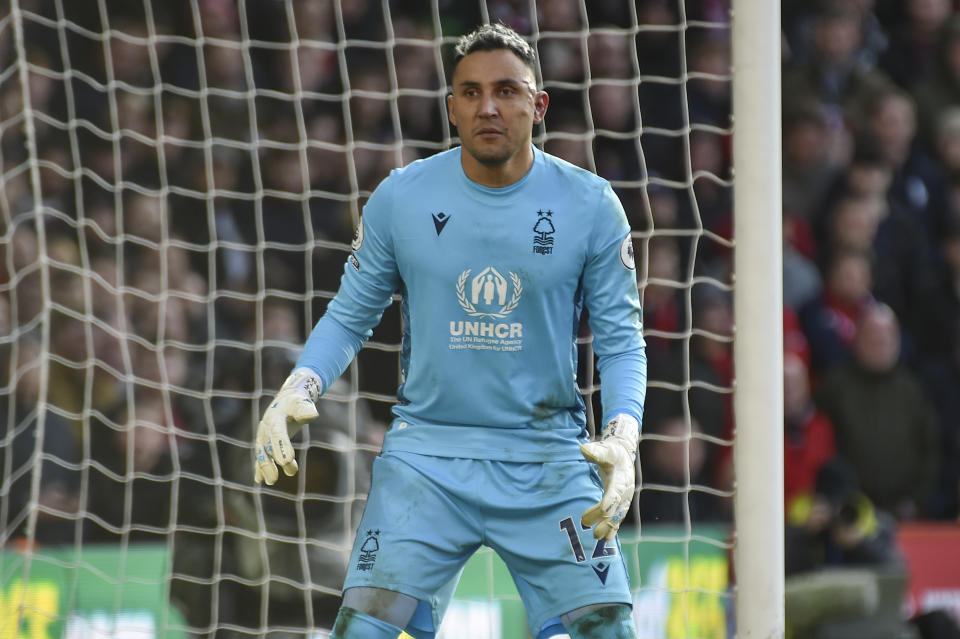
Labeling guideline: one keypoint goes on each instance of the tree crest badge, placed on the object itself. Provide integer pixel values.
(369, 550)
(543, 231)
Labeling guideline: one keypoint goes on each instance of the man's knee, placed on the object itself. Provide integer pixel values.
(603, 621)
(354, 624)
(392, 607)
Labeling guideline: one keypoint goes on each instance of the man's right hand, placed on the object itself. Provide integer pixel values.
(292, 408)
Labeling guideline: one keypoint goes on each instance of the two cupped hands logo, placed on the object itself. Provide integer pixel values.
(488, 293)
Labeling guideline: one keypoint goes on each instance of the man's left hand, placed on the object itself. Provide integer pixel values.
(616, 456)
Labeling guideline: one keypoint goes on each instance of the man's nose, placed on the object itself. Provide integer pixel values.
(488, 106)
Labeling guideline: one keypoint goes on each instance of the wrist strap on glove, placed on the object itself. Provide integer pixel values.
(306, 380)
(625, 430)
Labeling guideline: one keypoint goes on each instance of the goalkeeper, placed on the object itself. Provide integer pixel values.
(495, 249)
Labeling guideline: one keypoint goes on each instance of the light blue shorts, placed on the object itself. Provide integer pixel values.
(426, 516)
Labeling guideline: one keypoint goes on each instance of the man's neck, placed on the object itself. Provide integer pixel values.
(498, 175)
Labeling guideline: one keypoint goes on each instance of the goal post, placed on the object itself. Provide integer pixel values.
(758, 319)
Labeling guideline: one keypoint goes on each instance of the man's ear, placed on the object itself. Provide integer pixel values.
(540, 102)
(450, 115)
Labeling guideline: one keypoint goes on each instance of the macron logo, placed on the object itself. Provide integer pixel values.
(439, 221)
(602, 570)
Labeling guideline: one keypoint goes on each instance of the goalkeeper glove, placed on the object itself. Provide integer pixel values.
(615, 455)
(289, 411)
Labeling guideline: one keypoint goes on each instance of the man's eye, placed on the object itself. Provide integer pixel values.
(507, 91)
(470, 93)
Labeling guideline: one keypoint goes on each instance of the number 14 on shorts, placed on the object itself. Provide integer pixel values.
(600, 549)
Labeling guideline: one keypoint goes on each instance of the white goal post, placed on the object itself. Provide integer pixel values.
(758, 312)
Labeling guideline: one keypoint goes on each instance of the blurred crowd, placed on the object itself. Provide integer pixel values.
(199, 174)
(871, 212)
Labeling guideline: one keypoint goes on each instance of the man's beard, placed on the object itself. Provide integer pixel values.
(491, 158)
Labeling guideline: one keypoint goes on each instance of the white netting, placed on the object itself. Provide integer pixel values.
(179, 183)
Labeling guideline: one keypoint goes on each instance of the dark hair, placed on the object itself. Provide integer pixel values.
(867, 152)
(492, 37)
(837, 480)
(804, 112)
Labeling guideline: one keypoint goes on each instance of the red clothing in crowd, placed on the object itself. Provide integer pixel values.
(806, 447)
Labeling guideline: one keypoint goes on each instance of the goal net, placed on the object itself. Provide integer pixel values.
(179, 185)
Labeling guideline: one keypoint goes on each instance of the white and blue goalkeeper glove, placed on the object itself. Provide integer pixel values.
(616, 456)
(290, 410)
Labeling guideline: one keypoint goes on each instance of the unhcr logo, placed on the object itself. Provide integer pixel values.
(488, 293)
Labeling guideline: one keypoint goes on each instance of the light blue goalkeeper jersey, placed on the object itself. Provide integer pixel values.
(493, 282)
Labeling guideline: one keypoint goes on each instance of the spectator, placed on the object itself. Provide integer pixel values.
(76, 386)
(884, 423)
(328, 157)
(911, 56)
(802, 283)
(918, 182)
(226, 73)
(942, 379)
(561, 59)
(20, 269)
(852, 224)
(835, 524)
(800, 18)
(614, 115)
(808, 166)
(808, 440)
(943, 305)
(830, 321)
(709, 94)
(794, 341)
(674, 459)
(941, 90)
(712, 342)
(567, 139)
(57, 504)
(904, 274)
(664, 310)
(219, 19)
(711, 359)
(941, 372)
(656, 55)
(421, 118)
(139, 448)
(845, 575)
(711, 208)
(947, 141)
(955, 192)
(863, 217)
(833, 73)
(867, 176)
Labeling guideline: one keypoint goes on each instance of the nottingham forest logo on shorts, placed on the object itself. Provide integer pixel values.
(489, 295)
(369, 550)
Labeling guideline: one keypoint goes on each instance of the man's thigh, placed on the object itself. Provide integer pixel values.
(418, 528)
(426, 516)
(556, 563)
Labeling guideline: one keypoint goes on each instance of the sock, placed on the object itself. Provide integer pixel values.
(552, 628)
(353, 624)
(421, 623)
(609, 622)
